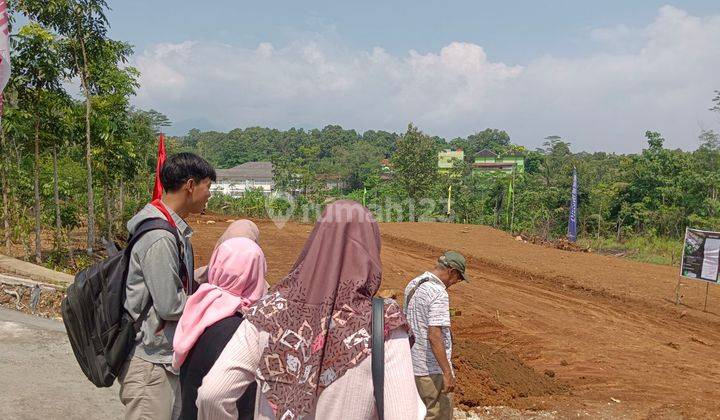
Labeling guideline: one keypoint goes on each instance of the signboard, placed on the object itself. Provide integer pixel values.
(701, 255)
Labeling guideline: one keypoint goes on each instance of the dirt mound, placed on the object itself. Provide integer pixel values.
(488, 375)
(561, 243)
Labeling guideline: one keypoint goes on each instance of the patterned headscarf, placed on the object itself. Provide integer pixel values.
(320, 316)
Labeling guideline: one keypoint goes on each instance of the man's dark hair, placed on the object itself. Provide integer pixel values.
(180, 167)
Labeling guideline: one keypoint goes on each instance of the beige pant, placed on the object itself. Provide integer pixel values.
(438, 403)
(149, 391)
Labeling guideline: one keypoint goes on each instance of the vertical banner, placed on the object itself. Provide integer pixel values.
(701, 255)
(572, 223)
(4, 49)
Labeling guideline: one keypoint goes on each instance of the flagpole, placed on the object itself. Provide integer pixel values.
(572, 222)
(512, 198)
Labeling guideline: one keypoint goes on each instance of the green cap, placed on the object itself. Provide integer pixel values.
(454, 260)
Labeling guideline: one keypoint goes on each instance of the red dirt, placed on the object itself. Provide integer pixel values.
(606, 329)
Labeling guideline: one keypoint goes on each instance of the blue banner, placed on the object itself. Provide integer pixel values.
(572, 223)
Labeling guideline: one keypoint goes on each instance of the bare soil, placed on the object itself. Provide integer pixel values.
(539, 329)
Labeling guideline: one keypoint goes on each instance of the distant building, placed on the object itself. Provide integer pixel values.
(489, 161)
(386, 170)
(251, 175)
(331, 181)
(448, 158)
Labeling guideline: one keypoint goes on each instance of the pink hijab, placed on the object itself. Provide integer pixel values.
(238, 229)
(236, 280)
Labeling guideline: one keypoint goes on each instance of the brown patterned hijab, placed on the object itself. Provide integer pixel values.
(319, 317)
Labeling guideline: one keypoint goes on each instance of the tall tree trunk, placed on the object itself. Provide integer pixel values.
(121, 216)
(38, 225)
(88, 151)
(56, 192)
(107, 193)
(6, 215)
(6, 196)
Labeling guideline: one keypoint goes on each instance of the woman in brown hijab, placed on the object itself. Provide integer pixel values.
(307, 342)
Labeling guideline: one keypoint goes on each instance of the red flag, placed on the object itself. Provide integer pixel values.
(158, 189)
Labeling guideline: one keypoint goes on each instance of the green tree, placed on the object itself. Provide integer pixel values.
(37, 78)
(84, 25)
(415, 163)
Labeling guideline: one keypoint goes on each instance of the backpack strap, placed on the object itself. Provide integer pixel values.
(378, 355)
(412, 292)
(144, 227)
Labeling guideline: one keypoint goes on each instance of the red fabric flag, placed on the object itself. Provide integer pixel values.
(158, 189)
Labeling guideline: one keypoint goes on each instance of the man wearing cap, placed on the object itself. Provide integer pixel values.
(427, 306)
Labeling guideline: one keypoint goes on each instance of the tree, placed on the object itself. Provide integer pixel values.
(84, 25)
(358, 164)
(415, 163)
(158, 120)
(111, 87)
(492, 139)
(37, 80)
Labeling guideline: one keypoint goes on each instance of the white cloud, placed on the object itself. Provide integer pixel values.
(602, 101)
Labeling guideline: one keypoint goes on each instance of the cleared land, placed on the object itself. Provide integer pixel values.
(540, 328)
(561, 334)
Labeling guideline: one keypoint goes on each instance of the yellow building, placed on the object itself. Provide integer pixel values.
(448, 158)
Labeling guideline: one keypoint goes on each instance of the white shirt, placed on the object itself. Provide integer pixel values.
(429, 307)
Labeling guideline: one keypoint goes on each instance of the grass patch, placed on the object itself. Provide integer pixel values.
(665, 251)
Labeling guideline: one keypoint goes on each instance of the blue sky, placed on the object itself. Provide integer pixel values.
(512, 31)
(597, 73)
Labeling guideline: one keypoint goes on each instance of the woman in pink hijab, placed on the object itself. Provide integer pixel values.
(238, 229)
(236, 280)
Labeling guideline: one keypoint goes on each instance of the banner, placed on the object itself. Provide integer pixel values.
(4, 49)
(572, 223)
(701, 255)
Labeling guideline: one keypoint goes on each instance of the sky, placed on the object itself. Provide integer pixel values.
(598, 74)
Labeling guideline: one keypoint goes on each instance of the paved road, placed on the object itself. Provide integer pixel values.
(39, 377)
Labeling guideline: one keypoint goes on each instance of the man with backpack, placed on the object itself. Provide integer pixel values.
(427, 307)
(159, 278)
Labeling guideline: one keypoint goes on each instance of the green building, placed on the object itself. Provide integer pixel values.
(489, 161)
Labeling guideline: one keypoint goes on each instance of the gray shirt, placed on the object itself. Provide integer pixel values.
(155, 271)
(429, 307)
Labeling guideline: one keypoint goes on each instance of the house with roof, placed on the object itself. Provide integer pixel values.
(386, 170)
(448, 158)
(248, 176)
(487, 161)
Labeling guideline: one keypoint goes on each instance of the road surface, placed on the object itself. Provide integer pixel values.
(39, 377)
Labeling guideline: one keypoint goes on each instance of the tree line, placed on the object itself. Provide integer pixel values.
(655, 193)
(79, 159)
(71, 159)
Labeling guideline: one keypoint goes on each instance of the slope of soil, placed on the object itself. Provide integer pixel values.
(570, 332)
(567, 333)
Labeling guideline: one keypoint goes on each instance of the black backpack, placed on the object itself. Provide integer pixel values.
(378, 355)
(100, 330)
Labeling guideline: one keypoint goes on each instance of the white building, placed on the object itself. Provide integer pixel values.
(251, 175)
